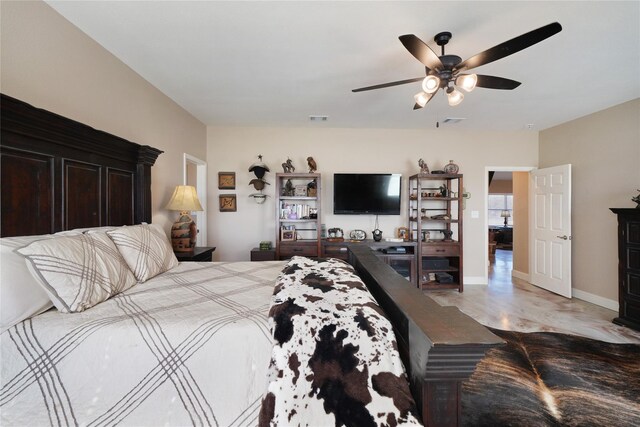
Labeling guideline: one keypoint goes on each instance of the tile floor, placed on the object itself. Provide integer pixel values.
(513, 304)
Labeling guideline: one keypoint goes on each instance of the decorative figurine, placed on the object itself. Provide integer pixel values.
(424, 169)
(288, 166)
(636, 199)
(289, 189)
(259, 169)
(312, 188)
(312, 164)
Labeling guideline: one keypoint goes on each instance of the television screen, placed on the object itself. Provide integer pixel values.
(366, 193)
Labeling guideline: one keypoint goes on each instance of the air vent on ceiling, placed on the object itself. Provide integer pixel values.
(318, 118)
(452, 120)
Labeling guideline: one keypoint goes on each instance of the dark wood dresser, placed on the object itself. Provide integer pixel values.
(628, 267)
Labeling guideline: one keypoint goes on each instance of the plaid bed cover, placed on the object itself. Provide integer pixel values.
(188, 347)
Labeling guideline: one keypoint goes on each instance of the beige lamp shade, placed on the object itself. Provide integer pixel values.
(184, 198)
(184, 231)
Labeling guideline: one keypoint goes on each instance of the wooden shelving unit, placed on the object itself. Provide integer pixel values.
(435, 222)
(293, 216)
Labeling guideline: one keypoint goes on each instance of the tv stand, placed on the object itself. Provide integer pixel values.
(401, 256)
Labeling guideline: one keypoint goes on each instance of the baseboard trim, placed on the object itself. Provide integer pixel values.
(520, 275)
(595, 299)
(475, 280)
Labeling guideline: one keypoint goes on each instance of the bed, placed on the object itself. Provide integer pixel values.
(46, 158)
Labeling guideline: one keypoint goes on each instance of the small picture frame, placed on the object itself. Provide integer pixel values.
(227, 180)
(287, 235)
(300, 191)
(403, 233)
(228, 203)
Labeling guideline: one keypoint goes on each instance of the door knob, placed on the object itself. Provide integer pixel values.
(562, 237)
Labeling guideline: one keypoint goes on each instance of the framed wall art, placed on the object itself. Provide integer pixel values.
(227, 180)
(228, 203)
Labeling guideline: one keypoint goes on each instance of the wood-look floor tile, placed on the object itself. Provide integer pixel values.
(512, 304)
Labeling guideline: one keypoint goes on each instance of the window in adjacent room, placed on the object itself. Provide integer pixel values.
(497, 204)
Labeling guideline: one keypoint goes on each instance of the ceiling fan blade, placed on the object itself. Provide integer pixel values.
(421, 51)
(383, 85)
(510, 47)
(493, 82)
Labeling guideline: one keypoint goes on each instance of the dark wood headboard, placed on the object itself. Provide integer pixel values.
(59, 174)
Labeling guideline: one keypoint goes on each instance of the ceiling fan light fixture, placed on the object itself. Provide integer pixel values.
(430, 84)
(454, 96)
(467, 81)
(422, 98)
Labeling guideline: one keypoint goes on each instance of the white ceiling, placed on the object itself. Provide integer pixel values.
(265, 63)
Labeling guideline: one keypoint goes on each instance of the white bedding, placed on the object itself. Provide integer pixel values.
(188, 347)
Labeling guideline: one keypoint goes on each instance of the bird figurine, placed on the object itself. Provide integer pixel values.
(259, 168)
(312, 164)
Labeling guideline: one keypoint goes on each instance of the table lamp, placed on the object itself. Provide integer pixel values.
(183, 231)
(505, 214)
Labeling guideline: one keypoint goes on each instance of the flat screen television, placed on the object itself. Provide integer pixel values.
(366, 193)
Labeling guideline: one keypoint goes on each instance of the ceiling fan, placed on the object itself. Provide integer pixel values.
(447, 71)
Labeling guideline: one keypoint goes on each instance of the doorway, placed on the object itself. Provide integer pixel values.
(507, 244)
(195, 173)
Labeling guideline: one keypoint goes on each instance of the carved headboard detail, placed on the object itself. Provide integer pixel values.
(59, 174)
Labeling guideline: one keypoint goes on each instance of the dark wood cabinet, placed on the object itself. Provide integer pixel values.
(298, 209)
(628, 267)
(258, 254)
(199, 254)
(435, 224)
(401, 256)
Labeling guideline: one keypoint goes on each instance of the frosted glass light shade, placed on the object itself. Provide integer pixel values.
(184, 199)
(422, 98)
(455, 96)
(467, 81)
(430, 84)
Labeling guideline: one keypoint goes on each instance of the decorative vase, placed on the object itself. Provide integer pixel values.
(183, 233)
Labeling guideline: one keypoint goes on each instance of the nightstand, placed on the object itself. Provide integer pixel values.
(202, 254)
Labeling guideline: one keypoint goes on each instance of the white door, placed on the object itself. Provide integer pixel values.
(550, 230)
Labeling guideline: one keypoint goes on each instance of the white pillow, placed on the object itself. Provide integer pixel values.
(21, 296)
(145, 248)
(79, 271)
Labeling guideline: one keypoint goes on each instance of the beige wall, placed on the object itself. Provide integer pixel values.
(354, 150)
(521, 220)
(604, 150)
(51, 64)
(501, 186)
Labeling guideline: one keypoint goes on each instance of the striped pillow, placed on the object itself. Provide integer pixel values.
(78, 271)
(145, 248)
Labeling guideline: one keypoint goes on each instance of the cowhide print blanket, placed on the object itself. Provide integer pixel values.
(553, 379)
(335, 359)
